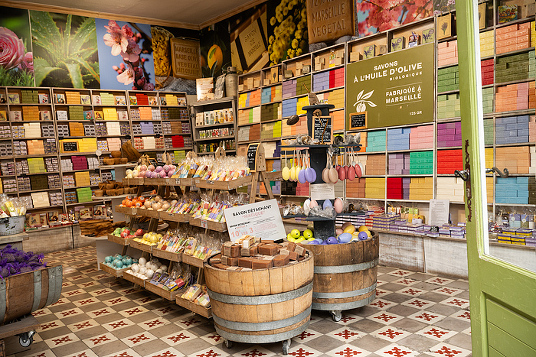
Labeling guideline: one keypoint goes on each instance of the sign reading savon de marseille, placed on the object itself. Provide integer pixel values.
(393, 89)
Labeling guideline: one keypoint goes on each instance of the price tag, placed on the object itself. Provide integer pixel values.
(177, 181)
(134, 211)
(204, 223)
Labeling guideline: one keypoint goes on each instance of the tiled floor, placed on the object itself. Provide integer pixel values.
(415, 314)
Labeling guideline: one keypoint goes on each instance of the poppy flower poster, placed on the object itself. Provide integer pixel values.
(16, 56)
(125, 55)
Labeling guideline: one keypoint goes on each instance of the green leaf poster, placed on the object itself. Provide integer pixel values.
(393, 89)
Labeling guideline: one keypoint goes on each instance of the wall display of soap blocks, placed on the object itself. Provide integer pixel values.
(289, 107)
(448, 161)
(448, 79)
(487, 42)
(375, 188)
(296, 87)
(399, 164)
(487, 68)
(398, 139)
(356, 188)
(513, 37)
(516, 159)
(376, 140)
(512, 130)
(513, 190)
(450, 188)
(374, 164)
(421, 137)
(421, 163)
(249, 99)
(421, 188)
(487, 100)
(515, 67)
(271, 94)
(449, 134)
(447, 53)
(270, 131)
(448, 106)
(514, 97)
(328, 79)
(335, 97)
(271, 112)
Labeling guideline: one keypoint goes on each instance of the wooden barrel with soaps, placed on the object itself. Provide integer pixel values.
(260, 291)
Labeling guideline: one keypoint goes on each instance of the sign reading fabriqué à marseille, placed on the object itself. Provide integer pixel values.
(393, 89)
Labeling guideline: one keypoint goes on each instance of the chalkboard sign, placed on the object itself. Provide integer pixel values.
(358, 120)
(70, 146)
(252, 156)
(321, 123)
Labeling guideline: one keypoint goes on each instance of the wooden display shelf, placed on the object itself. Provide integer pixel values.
(174, 217)
(147, 213)
(133, 181)
(174, 181)
(166, 294)
(118, 273)
(213, 226)
(273, 176)
(223, 185)
(193, 307)
(140, 246)
(174, 257)
(118, 240)
(134, 279)
(191, 260)
(126, 210)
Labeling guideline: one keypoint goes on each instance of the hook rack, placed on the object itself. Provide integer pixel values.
(503, 173)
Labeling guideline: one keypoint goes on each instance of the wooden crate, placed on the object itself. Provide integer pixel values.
(193, 307)
(118, 240)
(214, 226)
(166, 294)
(134, 279)
(141, 246)
(174, 217)
(174, 257)
(118, 273)
(196, 262)
(223, 185)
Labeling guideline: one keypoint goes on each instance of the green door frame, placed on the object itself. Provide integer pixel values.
(502, 295)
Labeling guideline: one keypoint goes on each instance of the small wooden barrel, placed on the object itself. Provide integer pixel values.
(345, 274)
(24, 293)
(262, 305)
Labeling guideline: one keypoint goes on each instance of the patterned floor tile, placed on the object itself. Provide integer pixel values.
(167, 352)
(382, 304)
(385, 318)
(347, 350)
(211, 352)
(346, 334)
(124, 353)
(439, 281)
(457, 302)
(426, 317)
(406, 281)
(397, 351)
(61, 340)
(436, 333)
(390, 333)
(50, 325)
(100, 340)
(82, 325)
(410, 291)
(139, 339)
(69, 313)
(303, 351)
(85, 353)
(381, 292)
(400, 272)
(133, 311)
(448, 291)
(179, 337)
(255, 351)
(446, 350)
(306, 336)
(213, 338)
(86, 302)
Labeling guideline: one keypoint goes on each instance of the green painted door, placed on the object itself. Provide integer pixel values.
(502, 295)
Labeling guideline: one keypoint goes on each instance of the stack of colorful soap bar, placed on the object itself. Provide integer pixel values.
(30, 113)
(449, 134)
(39, 182)
(395, 188)
(532, 168)
(448, 79)
(249, 116)
(302, 189)
(31, 130)
(146, 113)
(448, 106)
(516, 159)
(399, 164)
(447, 53)
(271, 111)
(289, 107)
(488, 157)
(421, 188)
(376, 141)
(299, 128)
(84, 194)
(355, 188)
(375, 188)
(487, 41)
(421, 163)
(337, 121)
(448, 161)
(487, 100)
(288, 89)
(512, 38)
(72, 97)
(514, 67)
(271, 130)
(111, 114)
(271, 94)
(335, 97)
(512, 190)
(302, 102)
(107, 98)
(30, 96)
(421, 137)
(532, 190)
(320, 81)
(398, 139)
(249, 99)
(512, 130)
(486, 68)
(142, 99)
(36, 165)
(375, 164)
(450, 188)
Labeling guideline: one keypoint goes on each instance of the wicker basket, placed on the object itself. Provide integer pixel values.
(108, 161)
(116, 154)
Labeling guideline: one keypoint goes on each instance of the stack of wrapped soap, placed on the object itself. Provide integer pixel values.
(251, 253)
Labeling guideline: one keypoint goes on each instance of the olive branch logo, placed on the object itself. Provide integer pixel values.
(361, 101)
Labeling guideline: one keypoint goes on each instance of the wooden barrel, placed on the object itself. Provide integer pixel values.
(262, 305)
(24, 293)
(345, 274)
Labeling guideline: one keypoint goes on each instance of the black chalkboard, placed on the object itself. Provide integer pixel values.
(70, 146)
(252, 156)
(319, 124)
(358, 120)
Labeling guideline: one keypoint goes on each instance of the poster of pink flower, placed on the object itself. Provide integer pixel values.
(16, 56)
(380, 15)
(125, 55)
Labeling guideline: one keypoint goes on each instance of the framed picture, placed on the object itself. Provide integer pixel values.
(60, 98)
(13, 98)
(85, 100)
(43, 98)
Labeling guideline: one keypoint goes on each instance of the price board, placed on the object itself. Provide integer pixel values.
(358, 120)
(260, 219)
(252, 156)
(322, 128)
(70, 146)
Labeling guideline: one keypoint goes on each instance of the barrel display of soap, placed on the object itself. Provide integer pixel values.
(261, 305)
(24, 293)
(345, 274)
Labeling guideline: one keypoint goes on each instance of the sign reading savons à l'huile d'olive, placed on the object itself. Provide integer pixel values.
(393, 89)
(329, 19)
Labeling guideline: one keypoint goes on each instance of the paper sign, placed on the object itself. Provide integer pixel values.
(439, 212)
(322, 191)
(261, 219)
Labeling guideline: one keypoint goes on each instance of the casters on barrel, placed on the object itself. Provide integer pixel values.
(336, 315)
(26, 339)
(286, 346)
(228, 343)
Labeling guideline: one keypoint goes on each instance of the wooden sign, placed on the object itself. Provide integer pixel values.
(329, 20)
(185, 58)
(358, 120)
(252, 156)
(322, 129)
(70, 146)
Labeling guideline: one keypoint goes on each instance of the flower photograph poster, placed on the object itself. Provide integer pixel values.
(125, 55)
